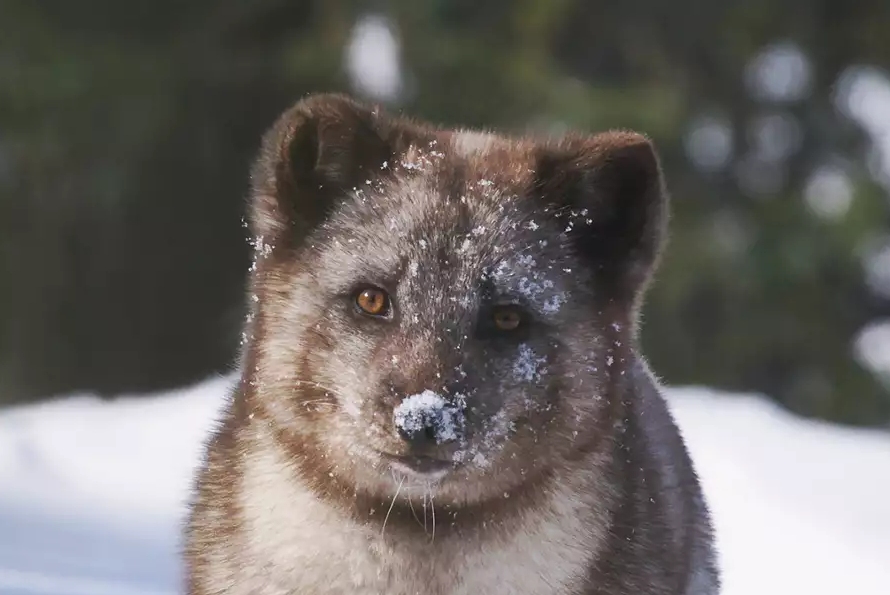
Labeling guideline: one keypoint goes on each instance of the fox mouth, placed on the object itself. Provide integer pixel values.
(419, 466)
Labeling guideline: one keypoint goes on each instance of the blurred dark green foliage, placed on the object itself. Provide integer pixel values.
(126, 131)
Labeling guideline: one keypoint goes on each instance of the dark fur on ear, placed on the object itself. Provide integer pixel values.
(322, 147)
(609, 193)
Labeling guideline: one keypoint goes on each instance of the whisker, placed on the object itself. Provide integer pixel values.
(319, 405)
(391, 505)
(413, 512)
(433, 510)
(424, 511)
(317, 402)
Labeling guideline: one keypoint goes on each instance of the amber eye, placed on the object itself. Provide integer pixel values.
(507, 318)
(372, 301)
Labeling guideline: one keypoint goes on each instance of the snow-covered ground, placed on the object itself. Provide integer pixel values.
(92, 494)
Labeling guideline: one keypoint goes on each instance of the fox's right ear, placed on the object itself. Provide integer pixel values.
(318, 150)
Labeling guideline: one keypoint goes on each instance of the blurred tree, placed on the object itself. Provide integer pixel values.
(127, 133)
(757, 291)
(131, 129)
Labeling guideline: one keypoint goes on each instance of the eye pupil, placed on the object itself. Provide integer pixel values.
(507, 319)
(373, 301)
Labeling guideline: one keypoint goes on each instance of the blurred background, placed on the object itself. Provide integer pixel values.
(127, 130)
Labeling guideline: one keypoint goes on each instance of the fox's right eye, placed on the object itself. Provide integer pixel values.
(372, 301)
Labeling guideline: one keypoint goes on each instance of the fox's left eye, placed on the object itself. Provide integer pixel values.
(507, 318)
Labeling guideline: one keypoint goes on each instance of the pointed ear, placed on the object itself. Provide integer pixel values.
(316, 152)
(608, 191)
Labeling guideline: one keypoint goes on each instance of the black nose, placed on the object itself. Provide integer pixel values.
(427, 419)
(420, 436)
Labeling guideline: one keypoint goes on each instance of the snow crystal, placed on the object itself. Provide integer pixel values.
(553, 304)
(502, 271)
(524, 260)
(525, 367)
(531, 282)
(261, 250)
(495, 431)
(430, 410)
(531, 288)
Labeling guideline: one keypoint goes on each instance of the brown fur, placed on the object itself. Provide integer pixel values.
(589, 490)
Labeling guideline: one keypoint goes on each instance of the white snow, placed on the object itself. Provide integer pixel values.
(527, 277)
(415, 412)
(92, 494)
(525, 367)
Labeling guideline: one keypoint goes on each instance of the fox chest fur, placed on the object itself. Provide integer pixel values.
(319, 550)
(441, 389)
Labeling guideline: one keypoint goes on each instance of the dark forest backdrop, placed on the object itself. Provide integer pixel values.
(126, 131)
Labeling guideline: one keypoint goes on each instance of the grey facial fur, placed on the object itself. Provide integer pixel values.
(448, 255)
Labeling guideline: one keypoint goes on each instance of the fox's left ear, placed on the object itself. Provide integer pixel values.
(608, 191)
